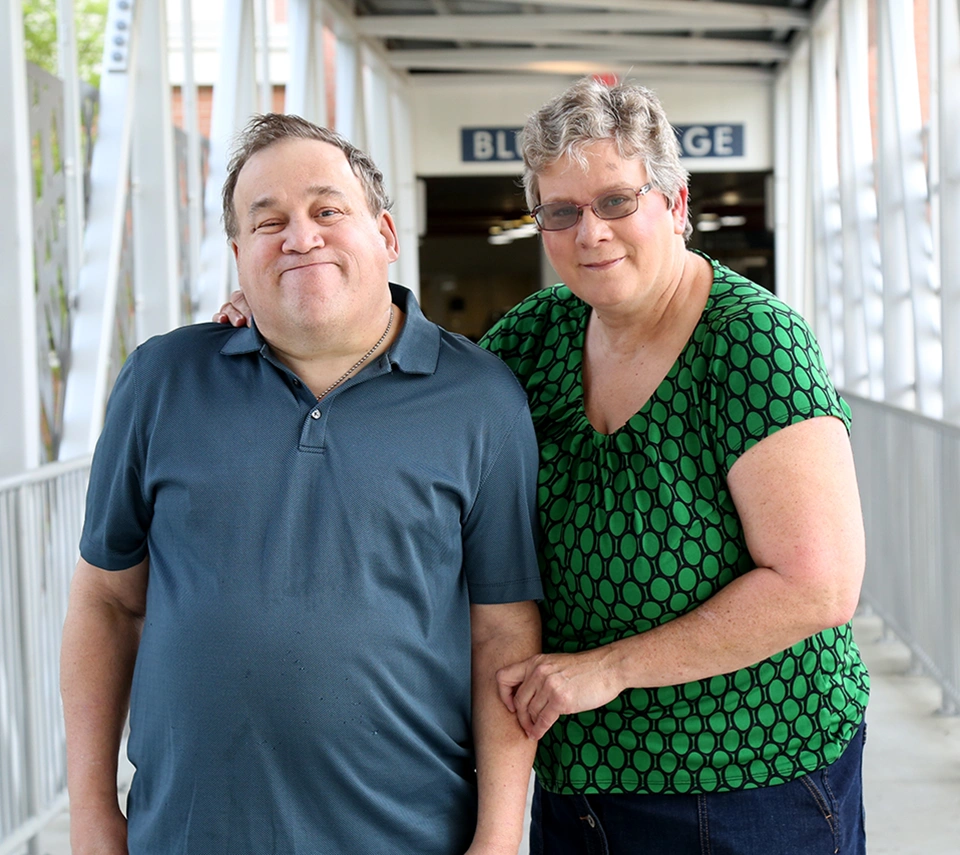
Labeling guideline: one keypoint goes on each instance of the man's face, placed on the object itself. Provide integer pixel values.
(311, 257)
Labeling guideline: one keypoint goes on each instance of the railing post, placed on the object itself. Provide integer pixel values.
(27, 561)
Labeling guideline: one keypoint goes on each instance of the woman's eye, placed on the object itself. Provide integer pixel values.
(617, 201)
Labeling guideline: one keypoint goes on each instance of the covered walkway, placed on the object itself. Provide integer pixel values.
(823, 139)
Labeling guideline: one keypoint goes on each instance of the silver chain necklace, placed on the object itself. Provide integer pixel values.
(360, 361)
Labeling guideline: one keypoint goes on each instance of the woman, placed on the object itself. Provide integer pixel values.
(702, 547)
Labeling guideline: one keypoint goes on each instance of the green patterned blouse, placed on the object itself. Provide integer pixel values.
(638, 528)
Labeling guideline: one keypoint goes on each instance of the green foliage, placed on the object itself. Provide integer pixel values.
(40, 35)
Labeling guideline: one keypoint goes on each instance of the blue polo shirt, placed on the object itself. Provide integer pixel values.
(303, 680)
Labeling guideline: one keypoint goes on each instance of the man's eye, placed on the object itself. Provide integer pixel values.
(267, 225)
(329, 213)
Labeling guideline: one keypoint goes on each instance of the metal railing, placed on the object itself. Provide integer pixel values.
(41, 514)
(908, 467)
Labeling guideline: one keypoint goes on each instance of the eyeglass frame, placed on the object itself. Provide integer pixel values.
(591, 205)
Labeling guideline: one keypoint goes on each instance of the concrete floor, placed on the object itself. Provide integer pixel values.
(911, 766)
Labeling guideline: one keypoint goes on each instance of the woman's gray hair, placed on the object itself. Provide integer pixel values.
(267, 129)
(589, 111)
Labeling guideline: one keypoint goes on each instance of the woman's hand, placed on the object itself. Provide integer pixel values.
(236, 311)
(544, 687)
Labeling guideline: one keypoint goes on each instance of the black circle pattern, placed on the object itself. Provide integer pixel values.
(638, 527)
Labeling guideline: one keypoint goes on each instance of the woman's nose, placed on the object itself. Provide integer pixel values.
(591, 228)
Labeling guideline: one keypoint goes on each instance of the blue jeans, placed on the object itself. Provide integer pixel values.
(818, 813)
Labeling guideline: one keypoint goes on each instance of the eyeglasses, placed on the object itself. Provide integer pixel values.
(557, 216)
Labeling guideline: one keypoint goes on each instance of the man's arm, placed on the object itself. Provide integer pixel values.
(501, 634)
(101, 635)
(796, 494)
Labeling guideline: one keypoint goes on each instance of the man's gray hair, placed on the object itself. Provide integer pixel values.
(267, 129)
(589, 111)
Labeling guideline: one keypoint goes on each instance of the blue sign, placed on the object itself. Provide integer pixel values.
(489, 145)
(710, 140)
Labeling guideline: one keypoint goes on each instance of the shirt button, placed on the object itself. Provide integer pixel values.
(315, 414)
(296, 382)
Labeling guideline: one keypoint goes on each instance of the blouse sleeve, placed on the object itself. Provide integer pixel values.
(768, 373)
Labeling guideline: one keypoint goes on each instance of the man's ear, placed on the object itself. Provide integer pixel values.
(388, 230)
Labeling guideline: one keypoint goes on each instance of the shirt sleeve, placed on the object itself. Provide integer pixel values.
(500, 531)
(768, 373)
(117, 514)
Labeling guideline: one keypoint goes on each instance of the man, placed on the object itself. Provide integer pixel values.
(320, 678)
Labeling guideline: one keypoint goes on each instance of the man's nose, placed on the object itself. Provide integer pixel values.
(302, 235)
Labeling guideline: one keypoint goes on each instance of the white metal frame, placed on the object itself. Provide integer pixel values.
(93, 330)
(20, 416)
(824, 182)
(862, 280)
(911, 309)
(894, 267)
(946, 161)
(154, 183)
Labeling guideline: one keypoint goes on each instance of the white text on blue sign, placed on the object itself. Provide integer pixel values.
(479, 145)
(710, 140)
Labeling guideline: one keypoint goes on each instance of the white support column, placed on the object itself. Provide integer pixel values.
(948, 79)
(20, 414)
(70, 138)
(93, 329)
(307, 88)
(191, 124)
(862, 281)
(348, 75)
(796, 289)
(154, 182)
(825, 190)
(898, 346)
(408, 265)
(782, 105)
(911, 304)
(234, 99)
(263, 57)
(378, 118)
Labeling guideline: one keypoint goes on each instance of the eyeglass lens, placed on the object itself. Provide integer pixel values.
(556, 216)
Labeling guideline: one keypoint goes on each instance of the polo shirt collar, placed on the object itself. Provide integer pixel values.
(416, 350)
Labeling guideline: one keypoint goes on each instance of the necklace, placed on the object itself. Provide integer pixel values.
(360, 361)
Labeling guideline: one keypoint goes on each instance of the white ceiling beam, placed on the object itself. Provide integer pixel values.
(459, 27)
(573, 69)
(738, 50)
(680, 15)
(525, 57)
(762, 15)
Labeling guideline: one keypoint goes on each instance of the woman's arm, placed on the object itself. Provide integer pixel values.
(796, 494)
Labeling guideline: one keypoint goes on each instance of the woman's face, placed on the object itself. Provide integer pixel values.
(613, 264)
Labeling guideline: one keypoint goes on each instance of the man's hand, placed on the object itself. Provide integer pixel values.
(544, 687)
(236, 311)
(103, 835)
